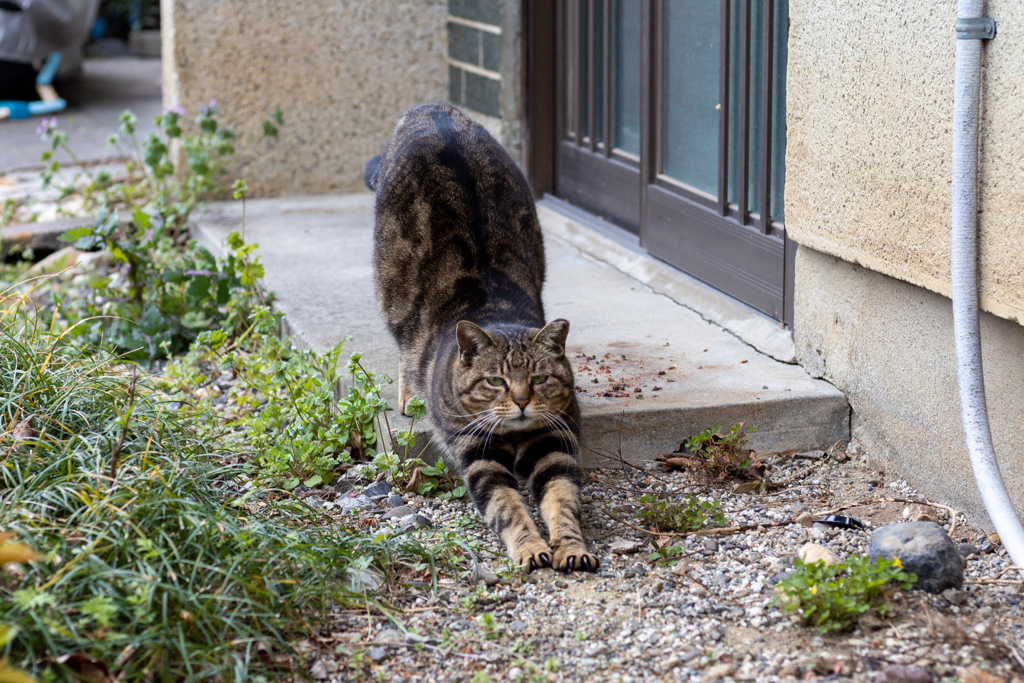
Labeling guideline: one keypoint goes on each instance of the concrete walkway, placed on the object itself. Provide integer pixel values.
(650, 371)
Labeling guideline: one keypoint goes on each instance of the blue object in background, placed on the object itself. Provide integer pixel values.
(49, 69)
(99, 28)
(16, 109)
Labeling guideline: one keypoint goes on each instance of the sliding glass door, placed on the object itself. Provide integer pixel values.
(671, 124)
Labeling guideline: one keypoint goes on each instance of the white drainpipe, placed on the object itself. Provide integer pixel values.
(966, 89)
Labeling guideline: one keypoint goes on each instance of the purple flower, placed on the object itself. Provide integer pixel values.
(213, 103)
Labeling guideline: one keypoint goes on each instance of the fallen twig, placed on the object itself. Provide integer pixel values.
(711, 531)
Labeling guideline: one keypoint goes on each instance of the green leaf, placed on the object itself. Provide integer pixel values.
(415, 408)
(315, 480)
(430, 471)
(141, 219)
(291, 483)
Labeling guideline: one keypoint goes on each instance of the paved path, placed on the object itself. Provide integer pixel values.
(95, 101)
(690, 373)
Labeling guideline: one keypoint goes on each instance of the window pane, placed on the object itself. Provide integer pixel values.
(689, 116)
(626, 76)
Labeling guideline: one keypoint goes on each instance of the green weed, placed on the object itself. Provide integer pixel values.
(690, 515)
(832, 598)
(147, 547)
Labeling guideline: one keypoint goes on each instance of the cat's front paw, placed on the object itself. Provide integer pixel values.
(574, 556)
(532, 555)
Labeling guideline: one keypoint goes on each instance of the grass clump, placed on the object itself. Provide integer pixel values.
(834, 597)
(691, 514)
(150, 558)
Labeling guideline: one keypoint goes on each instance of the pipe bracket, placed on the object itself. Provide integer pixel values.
(979, 28)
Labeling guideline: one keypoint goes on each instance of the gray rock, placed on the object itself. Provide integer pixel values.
(415, 522)
(342, 486)
(923, 548)
(902, 673)
(390, 635)
(486, 576)
(398, 512)
(395, 500)
(517, 625)
(711, 544)
(414, 638)
(714, 635)
(363, 580)
(967, 549)
(955, 597)
(377, 654)
(624, 546)
(382, 489)
(360, 502)
(690, 656)
(988, 546)
(635, 571)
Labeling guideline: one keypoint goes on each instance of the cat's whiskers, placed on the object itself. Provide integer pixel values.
(565, 435)
(476, 423)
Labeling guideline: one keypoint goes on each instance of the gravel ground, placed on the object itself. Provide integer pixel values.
(707, 616)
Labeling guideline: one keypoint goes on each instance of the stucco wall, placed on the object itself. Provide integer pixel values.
(342, 72)
(870, 102)
(888, 345)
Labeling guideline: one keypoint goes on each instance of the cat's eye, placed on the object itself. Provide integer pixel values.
(539, 379)
(495, 381)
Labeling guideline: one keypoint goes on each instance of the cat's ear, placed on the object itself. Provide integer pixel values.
(472, 339)
(553, 335)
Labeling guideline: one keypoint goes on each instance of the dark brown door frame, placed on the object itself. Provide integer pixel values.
(698, 244)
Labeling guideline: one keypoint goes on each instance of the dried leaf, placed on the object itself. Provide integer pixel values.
(749, 487)
(23, 430)
(415, 480)
(87, 669)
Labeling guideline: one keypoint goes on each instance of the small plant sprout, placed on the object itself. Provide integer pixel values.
(833, 597)
(690, 515)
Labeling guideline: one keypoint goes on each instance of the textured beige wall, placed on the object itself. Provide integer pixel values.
(869, 120)
(343, 72)
(888, 345)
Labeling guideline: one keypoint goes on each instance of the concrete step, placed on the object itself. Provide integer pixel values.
(662, 371)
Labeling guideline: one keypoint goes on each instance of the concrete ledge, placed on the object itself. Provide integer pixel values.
(649, 371)
(42, 235)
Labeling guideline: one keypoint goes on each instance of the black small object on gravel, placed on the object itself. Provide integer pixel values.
(840, 522)
(923, 548)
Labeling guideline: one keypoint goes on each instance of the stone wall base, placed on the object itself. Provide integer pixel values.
(888, 345)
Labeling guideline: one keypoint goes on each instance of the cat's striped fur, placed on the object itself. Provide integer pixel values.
(459, 267)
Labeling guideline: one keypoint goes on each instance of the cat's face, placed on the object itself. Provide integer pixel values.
(513, 382)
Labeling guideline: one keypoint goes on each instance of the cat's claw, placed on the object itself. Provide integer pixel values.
(571, 558)
(533, 556)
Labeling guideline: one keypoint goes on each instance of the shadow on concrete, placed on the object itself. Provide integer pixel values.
(95, 100)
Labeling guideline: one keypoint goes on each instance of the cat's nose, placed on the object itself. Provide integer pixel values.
(521, 401)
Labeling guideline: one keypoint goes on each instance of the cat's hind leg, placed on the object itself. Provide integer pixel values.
(496, 493)
(555, 484)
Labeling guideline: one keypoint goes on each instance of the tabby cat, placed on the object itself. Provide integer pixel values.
(459, 266)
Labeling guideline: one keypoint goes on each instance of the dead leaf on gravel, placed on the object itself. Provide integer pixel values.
(319, 670)
(923, 513)
(280, 662)
(86, 668)
(415, 480)
(973, 674)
